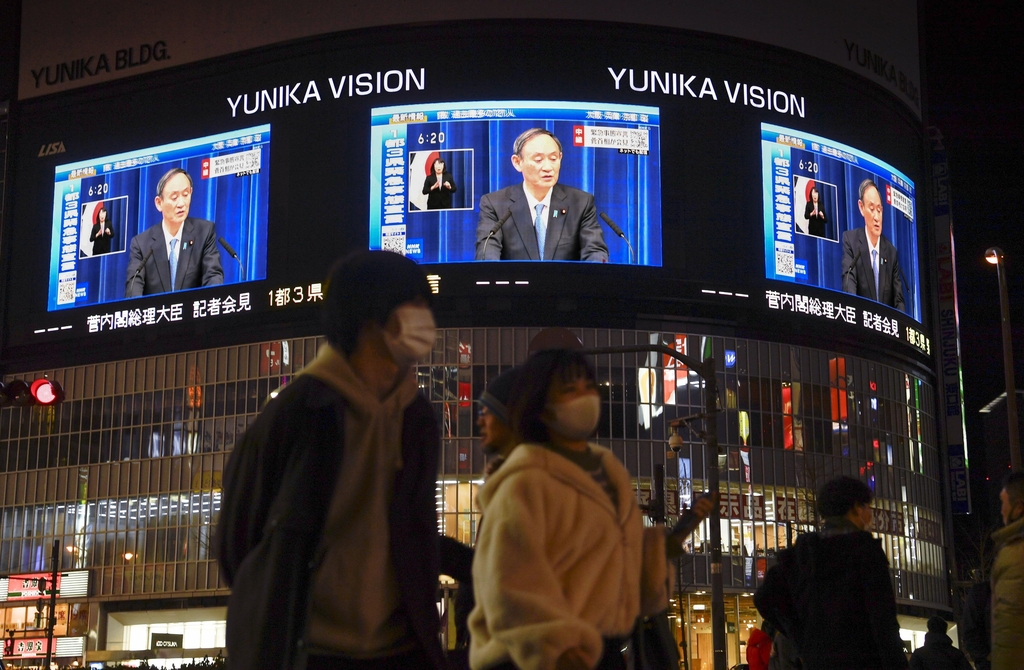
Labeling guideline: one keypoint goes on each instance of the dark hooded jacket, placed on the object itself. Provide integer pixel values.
(976, 627)
(832, 595)
(938, 653)
(278, 485)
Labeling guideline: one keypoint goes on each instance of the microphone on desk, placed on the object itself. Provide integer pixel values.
(856, 257)
(231, 252)
(494, 230)
(145, 260)
(618, 231)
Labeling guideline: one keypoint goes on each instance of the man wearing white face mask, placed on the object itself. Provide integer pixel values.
(328, 534)
(563, 565)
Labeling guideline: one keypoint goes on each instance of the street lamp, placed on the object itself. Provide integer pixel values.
(996, 258)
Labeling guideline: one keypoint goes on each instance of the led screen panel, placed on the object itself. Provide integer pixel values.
(838, 218)
(443, 176)
(109, 225)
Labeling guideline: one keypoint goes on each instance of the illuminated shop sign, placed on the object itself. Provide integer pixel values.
(25, 586)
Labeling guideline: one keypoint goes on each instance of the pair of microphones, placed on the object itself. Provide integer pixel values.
(604, 217)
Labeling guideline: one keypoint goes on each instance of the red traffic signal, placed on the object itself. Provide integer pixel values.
(20, 393)
(46, 392)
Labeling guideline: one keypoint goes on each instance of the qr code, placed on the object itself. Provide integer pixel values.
(394, 243)
(392, 238)
(66, 293)
(784, 265)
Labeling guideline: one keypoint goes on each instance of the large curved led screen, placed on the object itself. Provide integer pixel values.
(658, 172)
(837, 218)
(447, 186)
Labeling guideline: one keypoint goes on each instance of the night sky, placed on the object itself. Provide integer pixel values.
(973, 55)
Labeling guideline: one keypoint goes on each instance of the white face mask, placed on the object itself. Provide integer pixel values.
(415, 339)
(575, 419)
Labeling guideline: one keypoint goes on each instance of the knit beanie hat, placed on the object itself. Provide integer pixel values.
(495, 397)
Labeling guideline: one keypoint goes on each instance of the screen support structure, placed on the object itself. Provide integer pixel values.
(712, 456)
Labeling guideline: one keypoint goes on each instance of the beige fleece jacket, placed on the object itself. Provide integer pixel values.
(557, 565)
(355, 603)
(1008, 598)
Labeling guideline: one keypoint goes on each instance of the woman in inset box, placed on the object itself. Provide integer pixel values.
(439, 186)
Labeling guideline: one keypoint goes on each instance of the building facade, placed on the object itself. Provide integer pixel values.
(126, 473)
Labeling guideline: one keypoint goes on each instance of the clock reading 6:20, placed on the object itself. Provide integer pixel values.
(810, 166)
(432, 138)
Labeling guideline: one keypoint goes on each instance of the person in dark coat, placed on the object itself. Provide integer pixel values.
(831, 593)
(328, 529)
(938, 652)
(976, 627)
(784, 654)
(439, 186)
(497, 441)
(102, 232)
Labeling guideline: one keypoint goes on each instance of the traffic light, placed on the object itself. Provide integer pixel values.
(46, 392)
(41, 602)
(18, 393)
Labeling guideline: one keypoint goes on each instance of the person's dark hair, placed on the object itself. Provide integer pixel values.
(842, 494)
(814, 189)
(444, 166)
(529, 394)
(527, 135)
(864, 186)
(366, 286)
(99, 209)
(937, 624)
(167, 176)
(1014, 485)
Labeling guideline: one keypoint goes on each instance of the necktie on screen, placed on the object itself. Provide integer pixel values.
(874, 268)
(174, 262)
(542, 228)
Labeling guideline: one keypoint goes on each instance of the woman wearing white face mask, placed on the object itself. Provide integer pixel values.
(560, 554)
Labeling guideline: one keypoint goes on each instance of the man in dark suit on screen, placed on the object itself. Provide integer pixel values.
(871, 266)
(179, 252)
(549, 221)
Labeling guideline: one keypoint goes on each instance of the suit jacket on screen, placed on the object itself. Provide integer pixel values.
(859, 279)
(198, 260)
(573, 232)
